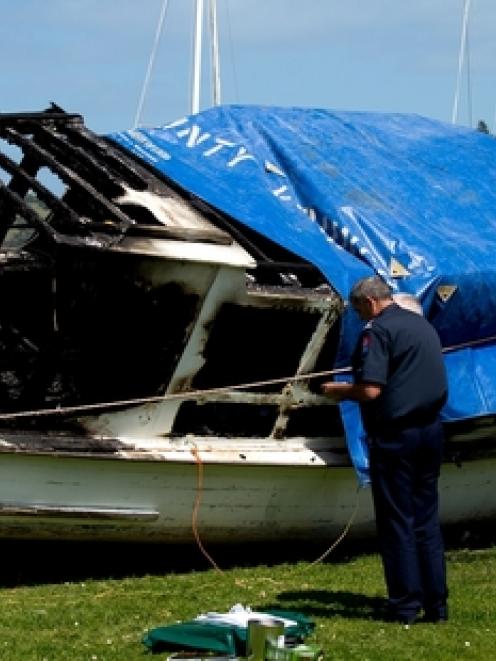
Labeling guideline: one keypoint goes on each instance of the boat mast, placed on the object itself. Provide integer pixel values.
(214, 41)
(197, 55)
(197, 58)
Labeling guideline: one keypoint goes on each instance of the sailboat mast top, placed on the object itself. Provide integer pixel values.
(214, 41)
(197, 55)
(197, 52)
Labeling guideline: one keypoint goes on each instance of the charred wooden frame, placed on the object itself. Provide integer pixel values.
(117, 284)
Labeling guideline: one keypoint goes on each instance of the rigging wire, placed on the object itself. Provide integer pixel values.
(469, 81)
(461, 59)
(151, 62)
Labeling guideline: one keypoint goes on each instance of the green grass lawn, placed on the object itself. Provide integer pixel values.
(56, 617)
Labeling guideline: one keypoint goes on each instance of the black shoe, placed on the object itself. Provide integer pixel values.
(402, 619)
(438, 614)
(434, 618)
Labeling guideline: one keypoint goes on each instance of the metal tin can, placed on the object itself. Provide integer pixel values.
(261, 632)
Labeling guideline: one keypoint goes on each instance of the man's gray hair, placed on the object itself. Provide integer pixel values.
(371, 287)
(408, 302)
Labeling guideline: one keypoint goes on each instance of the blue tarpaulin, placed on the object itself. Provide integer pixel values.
(354, 193)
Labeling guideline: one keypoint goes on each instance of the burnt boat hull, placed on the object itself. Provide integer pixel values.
(160, 363)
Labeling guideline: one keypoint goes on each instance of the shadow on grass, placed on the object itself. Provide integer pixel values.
(328, 603)
(37, 562)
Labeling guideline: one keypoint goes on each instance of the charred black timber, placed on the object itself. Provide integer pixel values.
(56, 117)
(95, 171)
(28, 182)
(79, 159)
(68, 176)
(12, 201)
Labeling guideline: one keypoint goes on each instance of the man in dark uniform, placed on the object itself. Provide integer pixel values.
(400, 384)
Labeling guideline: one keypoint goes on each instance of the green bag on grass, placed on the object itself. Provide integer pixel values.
(224, 638)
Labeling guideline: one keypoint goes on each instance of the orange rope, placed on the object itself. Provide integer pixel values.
(342, 535)
(196, 509)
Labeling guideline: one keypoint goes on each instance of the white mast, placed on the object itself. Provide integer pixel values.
(214, 41)
(461, 58)
(197, 57)
(197, 53)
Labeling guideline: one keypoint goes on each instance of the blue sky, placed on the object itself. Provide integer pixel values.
(90, 56)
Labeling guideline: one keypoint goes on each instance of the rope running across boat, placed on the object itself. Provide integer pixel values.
(193, 394)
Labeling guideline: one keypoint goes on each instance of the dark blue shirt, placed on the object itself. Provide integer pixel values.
(400, 351)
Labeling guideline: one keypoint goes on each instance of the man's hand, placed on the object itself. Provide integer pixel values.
(335, 390)
(357, 392)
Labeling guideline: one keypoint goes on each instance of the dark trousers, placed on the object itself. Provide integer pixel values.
(404, 466)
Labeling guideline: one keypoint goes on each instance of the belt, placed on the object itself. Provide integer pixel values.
(413, 419)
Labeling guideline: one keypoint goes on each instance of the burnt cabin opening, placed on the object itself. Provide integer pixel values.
(248, 344)
(102, 335)
(79, 325)
(119, 337)
(245, 345)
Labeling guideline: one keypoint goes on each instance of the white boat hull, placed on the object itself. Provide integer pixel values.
(249, 494)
